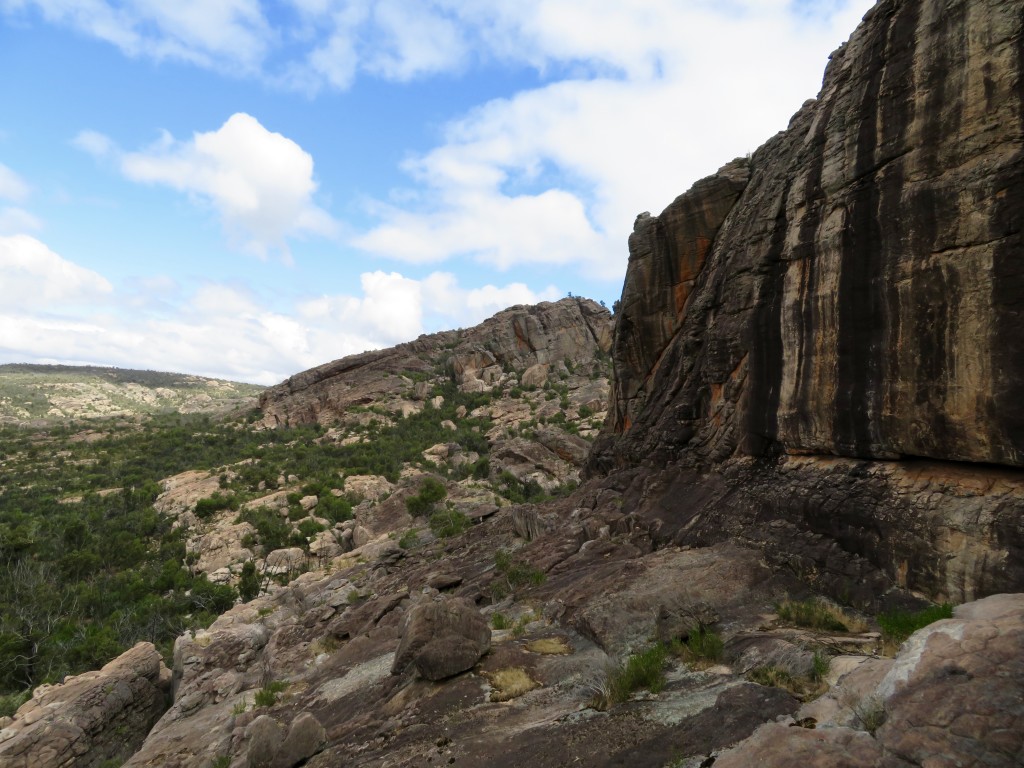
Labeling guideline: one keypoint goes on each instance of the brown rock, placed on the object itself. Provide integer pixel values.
(442, 638)
(90, 718)
(572, 329)
(853, 302)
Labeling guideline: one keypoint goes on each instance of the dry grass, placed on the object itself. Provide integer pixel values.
(821, 615)
(549, 646)
(510, 683)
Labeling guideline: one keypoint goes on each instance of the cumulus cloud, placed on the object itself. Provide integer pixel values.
(260, 183)
(557, 173)
(52, 310)
(33, 276)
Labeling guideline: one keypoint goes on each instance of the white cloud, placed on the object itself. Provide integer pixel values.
(32, 276)
(557, 174)
(94, 143)
(260, 182)
(14, 221)
(12, 186)
(55, 311)
(223, 34)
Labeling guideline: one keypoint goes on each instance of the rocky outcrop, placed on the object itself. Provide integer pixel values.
(956, 690)
(442, 638)
(92, 718)
(570, 332)
(666, 255)
(859, 300)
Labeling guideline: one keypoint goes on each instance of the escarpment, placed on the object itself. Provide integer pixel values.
(858, 307)
(545, 337)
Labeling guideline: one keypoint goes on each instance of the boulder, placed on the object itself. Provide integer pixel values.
(91, 718)
(442, 638)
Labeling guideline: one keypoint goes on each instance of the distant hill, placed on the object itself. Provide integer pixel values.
(33, 393)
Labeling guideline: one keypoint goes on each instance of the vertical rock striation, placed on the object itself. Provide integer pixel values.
(861, 298)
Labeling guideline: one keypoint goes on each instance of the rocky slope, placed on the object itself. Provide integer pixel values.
(814, 381)
(522, 345)
(40, 393)
(822, 337)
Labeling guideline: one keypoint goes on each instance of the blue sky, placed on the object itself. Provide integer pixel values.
(246, 189)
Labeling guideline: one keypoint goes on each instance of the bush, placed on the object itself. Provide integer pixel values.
(431, 492)
(897, 626)
(208, 506)
(704, 645)
(513, 574)
(267, 695)
(641, 670)
(448, 522)
(334, 508)
(248, 582)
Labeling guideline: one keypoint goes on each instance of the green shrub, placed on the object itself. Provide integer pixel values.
(705, 645)
(500, 621)
(431, 492)
(448, 522)
(267, 695)
(409, 539)
(337, 509)
(248, 582)
(641, 670)
(512, 574)
(310, 528)
(897, 626)
(215, 503)
(10, 703)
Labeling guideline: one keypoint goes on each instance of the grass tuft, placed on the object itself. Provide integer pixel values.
(819, 614)
(897, 626)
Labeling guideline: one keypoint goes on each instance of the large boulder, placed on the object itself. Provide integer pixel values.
(91, 718)
(442, 638)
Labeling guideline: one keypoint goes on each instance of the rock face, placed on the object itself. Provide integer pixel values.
(860, 299)
(92, 718)
(567, 332)
(955, 690)
(442, 638)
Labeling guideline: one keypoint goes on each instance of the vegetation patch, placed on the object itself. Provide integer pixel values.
(897, 626)
(448, 522)
(268, 695)
(510, 683)
(512, 574)
(549, 646)
(702, 648)
(423, 503)
(803, 686)
(819, 614)
(644, 670)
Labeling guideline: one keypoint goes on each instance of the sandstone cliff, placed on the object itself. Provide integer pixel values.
(859, 299)
(542, 337)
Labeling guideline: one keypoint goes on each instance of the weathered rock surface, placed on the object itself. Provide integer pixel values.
(567, 332)
(90, 718)
(442, 638)
(953, 696)
(858, 300)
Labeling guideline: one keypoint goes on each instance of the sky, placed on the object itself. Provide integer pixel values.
(246, 189)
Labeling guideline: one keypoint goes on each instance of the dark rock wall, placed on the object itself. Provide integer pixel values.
(862, 298)
(867, 284)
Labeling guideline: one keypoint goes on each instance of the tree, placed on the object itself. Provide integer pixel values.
(248, 582)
